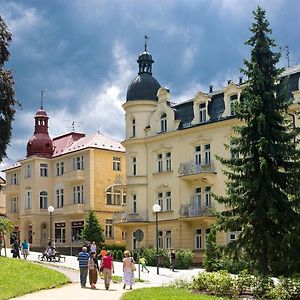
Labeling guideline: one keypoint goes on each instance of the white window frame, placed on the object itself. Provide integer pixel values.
(202, 112)
(134, 166)
(160, 238)
(14, 205)
(198, 197)
(168, 200)
(207, 196)
(78, 163)
(134, 204)
(163, 122)
(59, 197)
(109, 230)
(168, 157)
(14, 179)
(27, 170)
(207, 154)
(59, 168)
(168, 238)
(43, 200)
(159, 163)
(28, 199)
(232, 100)
(197, 155)
(133, 128)
(116, 163)
(78, 194)
(43, 170)
(198, 239)
(160, 200)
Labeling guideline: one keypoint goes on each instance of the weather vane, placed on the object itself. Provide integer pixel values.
(42, 98)
(146, 38)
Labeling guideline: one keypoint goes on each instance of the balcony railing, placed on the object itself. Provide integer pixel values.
(191, 168)
(127, 217)
(188, 211)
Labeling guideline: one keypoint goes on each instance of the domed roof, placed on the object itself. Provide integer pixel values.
(144, 86)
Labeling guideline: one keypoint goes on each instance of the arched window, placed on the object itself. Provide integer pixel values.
(163, 122)
(43, 199)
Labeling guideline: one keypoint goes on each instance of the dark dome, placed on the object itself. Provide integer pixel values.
(143, 87)
(145, 56)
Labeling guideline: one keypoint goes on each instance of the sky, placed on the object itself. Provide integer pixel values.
(83, 54)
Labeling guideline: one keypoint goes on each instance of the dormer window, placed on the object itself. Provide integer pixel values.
(163, 122)
(233, 101)
(202, 112)
(133, 127)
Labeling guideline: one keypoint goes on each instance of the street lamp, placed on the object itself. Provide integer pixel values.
(50, 210)
(156, 208)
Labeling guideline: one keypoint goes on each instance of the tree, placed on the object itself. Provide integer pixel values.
(262, 190)
(92, 230)
(7, 92)
(6, 227)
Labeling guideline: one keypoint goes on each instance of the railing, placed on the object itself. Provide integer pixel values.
(188, 211)
(126, 217)
(190, 167)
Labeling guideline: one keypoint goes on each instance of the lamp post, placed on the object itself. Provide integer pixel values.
(50, 210)
(156, 208)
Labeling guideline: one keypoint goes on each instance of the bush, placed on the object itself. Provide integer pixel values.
(119, 256)
(115, 247)
(287, 289)
(114, 254)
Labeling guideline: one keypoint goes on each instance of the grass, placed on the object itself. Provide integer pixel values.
(19, 277)
(166, 293)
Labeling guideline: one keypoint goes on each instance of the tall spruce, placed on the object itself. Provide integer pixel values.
(262, 191)
(7, 92)
(93, 230)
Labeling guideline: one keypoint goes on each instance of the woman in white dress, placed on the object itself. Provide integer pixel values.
(128, 274)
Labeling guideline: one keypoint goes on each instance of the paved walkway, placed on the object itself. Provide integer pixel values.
(74, 291)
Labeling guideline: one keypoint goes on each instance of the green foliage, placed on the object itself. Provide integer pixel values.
(92, 230)
(119, 255)
(263, 174)
(286, 289)
(114, 254)
(116, 247)
(7, 91)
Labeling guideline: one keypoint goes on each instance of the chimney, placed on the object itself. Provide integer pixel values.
(211, 88)
(241, 80)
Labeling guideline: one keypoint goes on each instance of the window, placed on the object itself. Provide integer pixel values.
(76, 230)
(233, 101)
(116, 163)
(159, 163)
(207, 153)
(197, 203)
(14, 178)
(123, 235)
(59, 168)
(160, 239)
(168, 201)
(60, 197)
(202, 112)
(163, 122)
(28, 202)
(60, 232)
(14, 205)
(168, 238)
(168, 162)
(78, 163)
(133, 127)
(197, 238)
(134, 204)
(44, 170)
(198, 155)
(43, 200)
(27, 171)
(208, 196)
(109, 228)
(160, 200)
(207, 231)
(113, 197)
(133, 166)
(78, 194)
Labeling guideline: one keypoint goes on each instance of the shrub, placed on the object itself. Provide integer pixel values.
(119, 255)
(115, 247)
(262, 287)
(114, 254)
(287, 289)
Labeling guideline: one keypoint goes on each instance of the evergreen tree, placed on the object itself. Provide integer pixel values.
(7, 92)
(92, 230)
(263, 172)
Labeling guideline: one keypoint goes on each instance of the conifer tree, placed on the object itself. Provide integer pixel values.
(263, 171)
(7, 92)
(93, 230)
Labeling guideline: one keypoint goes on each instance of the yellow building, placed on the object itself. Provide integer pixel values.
(74, 173)
(170, 154)
(2, 196)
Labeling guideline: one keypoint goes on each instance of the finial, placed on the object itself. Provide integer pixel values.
(146, 38)
(42, 98)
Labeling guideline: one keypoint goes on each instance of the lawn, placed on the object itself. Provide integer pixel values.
(166, 293)
(19, 277)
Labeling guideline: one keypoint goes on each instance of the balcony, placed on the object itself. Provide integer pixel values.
(128, 217)
(190, 170)
(74, 176)
(78, 208)
(191, 211)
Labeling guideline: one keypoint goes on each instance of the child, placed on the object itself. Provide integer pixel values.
(143, 262)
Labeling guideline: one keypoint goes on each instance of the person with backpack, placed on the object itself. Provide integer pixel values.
(93, 269)
(83, 258)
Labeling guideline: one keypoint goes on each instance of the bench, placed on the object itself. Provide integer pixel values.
(56, 258)
(59, 257)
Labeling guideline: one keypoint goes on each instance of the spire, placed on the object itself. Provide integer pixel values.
(145, 60)
(42, 99)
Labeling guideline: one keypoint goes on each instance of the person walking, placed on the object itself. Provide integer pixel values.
(143, 263)
(93, 247)
(93, 270)
(25, 249)
(16, 249)
(128, 273)
(83, 258)
(172, 257)
(108, 269)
